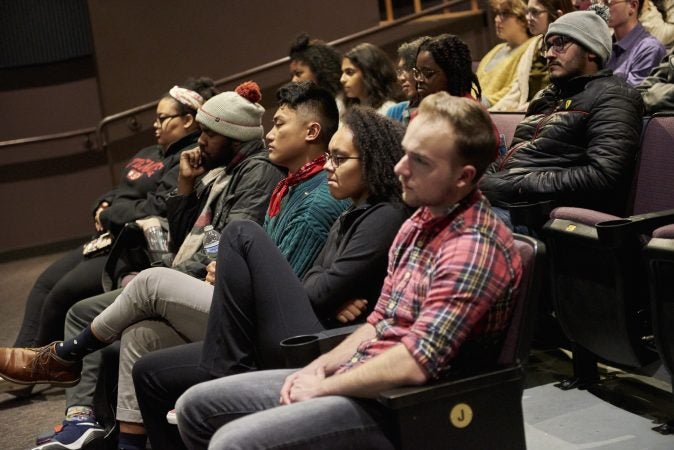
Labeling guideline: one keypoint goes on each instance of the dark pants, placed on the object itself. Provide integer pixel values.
(159, 379)
(67, 281)
(258, 301)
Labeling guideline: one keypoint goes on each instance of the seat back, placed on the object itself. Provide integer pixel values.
(600, 288)
(599, 292)
(506, 123)
(654, 183)
(659, 255)
(520, 331)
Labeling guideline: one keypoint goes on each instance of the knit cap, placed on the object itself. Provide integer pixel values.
(236, 115)
(588, 29)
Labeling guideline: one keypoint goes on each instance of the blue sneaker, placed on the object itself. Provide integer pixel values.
(73, 434)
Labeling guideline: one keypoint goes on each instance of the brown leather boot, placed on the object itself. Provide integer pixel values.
(38, 365)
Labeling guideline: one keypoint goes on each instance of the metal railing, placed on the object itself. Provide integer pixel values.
(418, 7)
(84, 132)
(130, 114)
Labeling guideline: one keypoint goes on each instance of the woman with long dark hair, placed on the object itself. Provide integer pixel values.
(369, 78)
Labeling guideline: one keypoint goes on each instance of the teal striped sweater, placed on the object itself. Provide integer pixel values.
(301, 228)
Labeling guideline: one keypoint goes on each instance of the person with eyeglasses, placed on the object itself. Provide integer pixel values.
(260, 300)
(444, 64)
(230, 178)
(635, 51)
(498, 68)
(532, 70)
(369, 78)
(407, 55)
(146, 180)
(577, 143)
(444, 305)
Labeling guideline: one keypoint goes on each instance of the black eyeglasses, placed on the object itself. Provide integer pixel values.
(422, 74)
(503, 14)
(337, 160)
(533, 12)
(558, 44)
(161, 119)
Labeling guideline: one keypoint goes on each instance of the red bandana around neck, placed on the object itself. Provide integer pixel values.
(304, 173)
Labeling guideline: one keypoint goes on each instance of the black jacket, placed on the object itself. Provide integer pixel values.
(577, 146)
(246, 197)
(146, 181)
(352, 264)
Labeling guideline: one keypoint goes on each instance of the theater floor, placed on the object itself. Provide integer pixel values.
(618, 415)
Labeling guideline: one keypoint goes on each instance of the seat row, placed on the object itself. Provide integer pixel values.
(612, 278)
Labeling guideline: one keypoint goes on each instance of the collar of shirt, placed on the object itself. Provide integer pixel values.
(632, 38)
(424, 219)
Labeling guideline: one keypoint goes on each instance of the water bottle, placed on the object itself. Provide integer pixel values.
(211, 241)
(157, 242)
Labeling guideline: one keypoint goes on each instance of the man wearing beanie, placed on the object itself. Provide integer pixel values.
(577, 143)
(229, 176)
(635, 50)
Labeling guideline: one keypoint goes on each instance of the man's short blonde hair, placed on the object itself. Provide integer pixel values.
(474, 132)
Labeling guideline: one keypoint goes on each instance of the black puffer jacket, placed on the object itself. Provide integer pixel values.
(577, 146)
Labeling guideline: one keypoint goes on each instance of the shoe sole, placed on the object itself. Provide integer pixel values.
(87, 438)
(32, 383)
(9, 387)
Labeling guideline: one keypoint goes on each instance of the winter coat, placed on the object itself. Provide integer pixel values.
(577, 146)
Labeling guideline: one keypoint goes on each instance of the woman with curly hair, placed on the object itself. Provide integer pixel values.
(443, 63)
(258, 301)
(369, 78)
(314, 60)
(498, 68)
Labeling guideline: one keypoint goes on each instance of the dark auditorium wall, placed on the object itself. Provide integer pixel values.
(50, 83)
(47, 85)
(141, 47)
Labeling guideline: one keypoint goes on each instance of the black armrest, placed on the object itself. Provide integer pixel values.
(299, 351)
(417, 395)
(532, 215)
(329, 339)
(615, 233)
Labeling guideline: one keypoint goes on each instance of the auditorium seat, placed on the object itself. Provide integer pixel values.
(506, 122)
(472, 409)
(659, 256)
(599, 282)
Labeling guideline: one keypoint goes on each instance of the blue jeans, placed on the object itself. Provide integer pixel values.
(242, 411)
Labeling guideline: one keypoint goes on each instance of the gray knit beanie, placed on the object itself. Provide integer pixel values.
(236, 115)
(588, 29)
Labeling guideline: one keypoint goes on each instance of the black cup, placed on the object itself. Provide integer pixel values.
(298, 351)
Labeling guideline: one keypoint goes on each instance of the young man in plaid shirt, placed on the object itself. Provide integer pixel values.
(452, 270)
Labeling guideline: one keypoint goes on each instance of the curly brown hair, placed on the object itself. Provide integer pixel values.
(378, 141)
